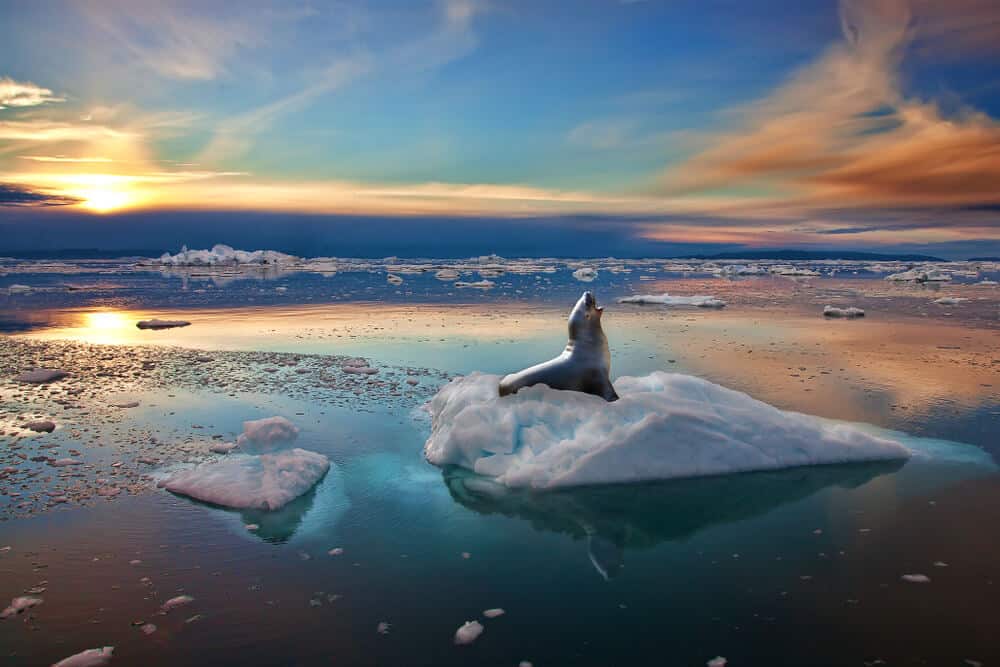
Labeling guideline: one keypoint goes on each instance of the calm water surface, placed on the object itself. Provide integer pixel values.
(795, 567)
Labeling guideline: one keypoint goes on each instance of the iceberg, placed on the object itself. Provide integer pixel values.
(242, 481)
(221, 254)
(664, 426)
(266, 433)
(668, 300)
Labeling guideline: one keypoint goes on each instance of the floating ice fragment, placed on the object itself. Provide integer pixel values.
(850, 312)
(265, 482)
(382, 628)
(267, 432)
(41, 426)
(393, 279)
(175, 602)
(717, 661)
(494, 613)
(147, 628)
(161, 324)
(41, 375)
(668, 300)
(222, 447)
(664, 426)
(585, 274)
(950, 300)
(916, 578)
(19, 604)
(124, 404)
(60, 463)
(478, 284)
(92, 657)
(336, 551)
(468, 633)
(252, 527)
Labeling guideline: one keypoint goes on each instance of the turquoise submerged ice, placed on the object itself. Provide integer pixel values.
(665, 426)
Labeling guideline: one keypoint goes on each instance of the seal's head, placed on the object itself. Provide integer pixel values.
(585, 317)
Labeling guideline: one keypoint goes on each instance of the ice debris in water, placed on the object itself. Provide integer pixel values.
(494, 613)
(950, 300)
(699, 301)
(468, 633)
(161, 324)
(585, 274)
(175, 602)
(478, 284)
(916, 578)
(41, 426)
(41, 375)
(19, 604)
(717, 661)
(664, 426)
(92, 657)
(264, 433)
(833, 311)
(223, 254)
(243, 481)
(382, 628)
(393, 279)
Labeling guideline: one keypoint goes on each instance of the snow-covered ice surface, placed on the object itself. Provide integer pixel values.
(266, 433)
(849, 312)
(243, 481)
(91, 657)
(664, 426)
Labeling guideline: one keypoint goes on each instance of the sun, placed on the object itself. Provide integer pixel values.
(104, 200)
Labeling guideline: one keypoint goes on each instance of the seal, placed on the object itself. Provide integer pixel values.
(585, 364)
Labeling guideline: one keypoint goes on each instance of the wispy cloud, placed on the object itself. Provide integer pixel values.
(41, 130)
(64, 158)
(843, 130)
(17, 195)
(24, 94)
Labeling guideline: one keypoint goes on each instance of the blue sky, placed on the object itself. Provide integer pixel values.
(861, 124)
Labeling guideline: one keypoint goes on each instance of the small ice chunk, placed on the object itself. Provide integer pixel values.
(950, 300)
(916, 578)
(41, 426)
(336, 551)
(252, 527)
(222, 447)
(699, 301)
(382, 628)
(242, 481)
(585, 274)
(92, 657)
(175, 602)
(266, 432)
(359, 370)
(476, 284)
(833, 311)
(468, 633)
(494, 613)
(41, 375)
(717, 661)
(446, 274)
(61, 463)
(393, 279)
(19, 289)
(161, 324)
(147, 628)
(124, 404)
(19, 604)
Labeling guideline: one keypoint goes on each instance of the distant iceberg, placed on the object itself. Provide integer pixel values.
(224, 255)
(664, 426)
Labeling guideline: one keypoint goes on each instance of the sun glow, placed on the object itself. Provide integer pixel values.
(105, 320)
(105, 200)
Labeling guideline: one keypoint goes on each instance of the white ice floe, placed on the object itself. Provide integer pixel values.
(62, 463)
(920, 275)
(174, 602)
(950, 300)
(222, 447)
(851, 311)
(266, 433)
(161, 324)
(468, 633)
(717, 661)
(222, 255)
(478, 284)
(19, 604)
(446, 274)
(916, 578)
(494, 613)
(665, 299)
(19, 289)
(41, 375)
(124, 403)
(393, 279)
(665, 425)
(92, 657)
(243, 481)
(585, 274)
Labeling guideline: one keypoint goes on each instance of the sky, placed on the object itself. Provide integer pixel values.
(584, 127)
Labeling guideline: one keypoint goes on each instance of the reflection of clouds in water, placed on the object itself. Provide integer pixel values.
(616, 518)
